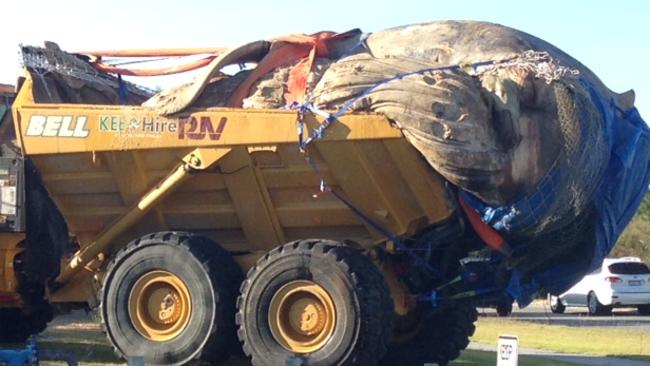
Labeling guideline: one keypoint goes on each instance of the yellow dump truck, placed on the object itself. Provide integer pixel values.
(260, 211)
(156, 220)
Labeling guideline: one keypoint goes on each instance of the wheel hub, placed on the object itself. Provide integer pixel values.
(302, 316)
(159, 306)
(307, 316)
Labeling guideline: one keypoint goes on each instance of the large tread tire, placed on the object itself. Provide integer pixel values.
(17, 325)
(441, 337)
(212, 278)
(364, 307)
(504, 309)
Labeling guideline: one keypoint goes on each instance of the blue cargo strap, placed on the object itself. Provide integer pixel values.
(123, 93)
(324, 188)
(329, 118)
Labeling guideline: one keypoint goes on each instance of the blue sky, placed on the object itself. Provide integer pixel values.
(609, 37)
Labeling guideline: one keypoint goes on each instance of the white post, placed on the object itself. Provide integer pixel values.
(508, 351)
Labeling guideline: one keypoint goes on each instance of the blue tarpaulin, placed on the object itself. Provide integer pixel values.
(619, 193)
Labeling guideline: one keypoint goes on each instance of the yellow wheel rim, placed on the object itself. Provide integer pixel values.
(302, 316)
(160, 306)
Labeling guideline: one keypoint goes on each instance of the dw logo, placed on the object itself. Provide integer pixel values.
(194, 129)
(505, 351)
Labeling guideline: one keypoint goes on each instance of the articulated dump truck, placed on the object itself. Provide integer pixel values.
(157, 219)
(200, 230)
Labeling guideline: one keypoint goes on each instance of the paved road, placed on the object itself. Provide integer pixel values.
(538, 312)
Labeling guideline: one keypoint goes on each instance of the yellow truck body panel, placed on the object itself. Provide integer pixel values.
(236, 176)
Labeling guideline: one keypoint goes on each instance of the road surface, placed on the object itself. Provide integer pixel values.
(539, 312)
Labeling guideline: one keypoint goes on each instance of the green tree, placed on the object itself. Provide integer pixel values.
(644, 209)
(635, 240)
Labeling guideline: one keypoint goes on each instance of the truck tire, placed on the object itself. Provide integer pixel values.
(170, 297)
(317, 303)
(504, 309)
(439, 338)
(19, 324)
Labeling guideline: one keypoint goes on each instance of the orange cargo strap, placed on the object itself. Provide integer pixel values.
(490, 236)
(286, 50)
(154, 72)
(171, 52)
(164, 52)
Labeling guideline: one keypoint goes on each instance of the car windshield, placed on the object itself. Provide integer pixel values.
(629, 268)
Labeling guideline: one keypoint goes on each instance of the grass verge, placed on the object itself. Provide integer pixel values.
(588, 341)
(483, 358)
(85, 341)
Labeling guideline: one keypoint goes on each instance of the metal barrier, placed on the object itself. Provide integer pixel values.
(30, 355)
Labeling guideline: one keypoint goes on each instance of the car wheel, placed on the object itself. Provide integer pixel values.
(644, 309)
(595, 307)
(555, 304)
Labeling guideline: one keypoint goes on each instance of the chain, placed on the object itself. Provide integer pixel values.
(42, 62)
(541, 64)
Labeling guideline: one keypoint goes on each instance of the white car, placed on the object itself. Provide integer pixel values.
(619, 282)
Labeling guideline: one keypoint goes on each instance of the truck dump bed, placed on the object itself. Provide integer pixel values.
(104, 164)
